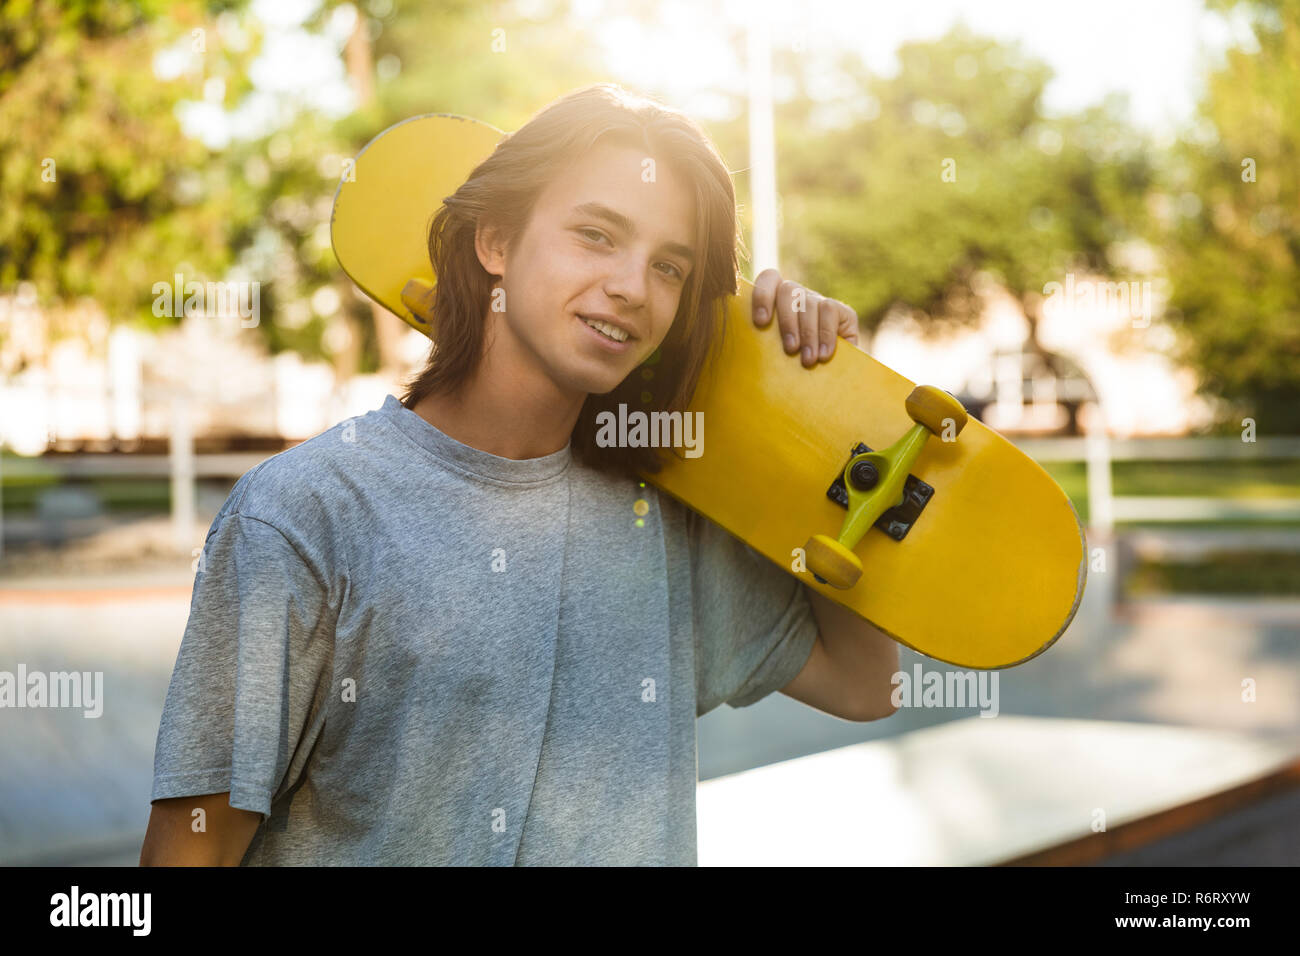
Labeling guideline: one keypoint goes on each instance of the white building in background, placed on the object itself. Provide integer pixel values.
(1116, 355)
(67, 377)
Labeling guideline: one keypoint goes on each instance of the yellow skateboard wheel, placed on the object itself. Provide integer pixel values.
(832, 562)
(930, 406)
(417, 296)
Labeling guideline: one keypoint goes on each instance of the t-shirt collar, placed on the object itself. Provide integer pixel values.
(466, 457)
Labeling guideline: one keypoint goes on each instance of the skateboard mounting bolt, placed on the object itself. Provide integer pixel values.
(864, 475)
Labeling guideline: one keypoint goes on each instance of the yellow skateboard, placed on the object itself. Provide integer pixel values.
(877, 493)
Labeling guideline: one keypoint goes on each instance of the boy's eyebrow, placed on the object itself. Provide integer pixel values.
(620, 221)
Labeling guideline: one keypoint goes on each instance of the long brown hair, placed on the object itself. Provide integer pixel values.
(502, 191)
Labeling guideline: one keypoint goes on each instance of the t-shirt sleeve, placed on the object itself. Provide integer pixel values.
(754, 625)
(246, 699)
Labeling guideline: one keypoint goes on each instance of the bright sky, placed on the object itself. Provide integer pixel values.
(1155, 51)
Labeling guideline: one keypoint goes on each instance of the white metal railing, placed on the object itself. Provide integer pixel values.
(212, 465)
(1105, 508)
(180, 464)
(1160, 449)
(184, 467)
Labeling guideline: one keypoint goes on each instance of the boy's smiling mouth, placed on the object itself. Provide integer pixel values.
(607, 331)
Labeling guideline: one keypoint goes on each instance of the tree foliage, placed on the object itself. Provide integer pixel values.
(103, 194)
(1230, 204)
(949, 170)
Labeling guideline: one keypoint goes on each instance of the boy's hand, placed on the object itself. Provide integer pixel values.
(809, 331)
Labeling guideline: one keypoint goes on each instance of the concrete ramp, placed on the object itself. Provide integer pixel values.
(978, 791)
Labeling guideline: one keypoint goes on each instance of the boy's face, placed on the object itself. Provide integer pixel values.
(573, 260)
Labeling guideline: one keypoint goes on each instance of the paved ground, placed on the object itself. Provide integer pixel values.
(71, 785)
(75, 789)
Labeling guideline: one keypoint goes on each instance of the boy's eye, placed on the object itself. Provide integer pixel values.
(596, 234)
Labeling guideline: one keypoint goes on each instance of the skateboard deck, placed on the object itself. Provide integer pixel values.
(876, 493)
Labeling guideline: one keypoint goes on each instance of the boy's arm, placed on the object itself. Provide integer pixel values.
(172, 841)
(850, 671)
(251, 659)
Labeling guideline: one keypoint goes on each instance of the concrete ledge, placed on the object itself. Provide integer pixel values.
(970, 792)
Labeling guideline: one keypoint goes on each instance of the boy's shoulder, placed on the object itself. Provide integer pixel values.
(304, 483)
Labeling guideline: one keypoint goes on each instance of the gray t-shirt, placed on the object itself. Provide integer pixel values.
(405, 650)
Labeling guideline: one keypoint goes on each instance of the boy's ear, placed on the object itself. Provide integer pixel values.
(490, 247)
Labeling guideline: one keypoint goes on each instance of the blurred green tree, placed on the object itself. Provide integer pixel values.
(903, 191)
(1230, 212)
(103, 193)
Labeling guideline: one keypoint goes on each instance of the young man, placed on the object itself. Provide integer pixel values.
(456, 630)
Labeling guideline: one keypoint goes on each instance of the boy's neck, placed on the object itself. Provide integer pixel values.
(507, 408)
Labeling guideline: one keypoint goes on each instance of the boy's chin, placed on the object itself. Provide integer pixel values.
(597, 384)
(604, 389)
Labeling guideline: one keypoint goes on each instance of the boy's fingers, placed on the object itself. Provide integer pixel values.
(849, 322)
(786, 317)
(808, 315)
(828, 326)
(765, 286)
